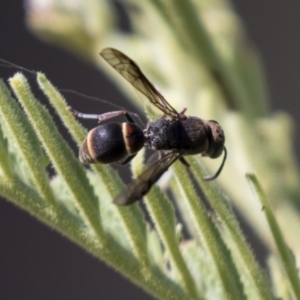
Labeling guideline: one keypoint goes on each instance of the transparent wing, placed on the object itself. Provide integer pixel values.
(132, 73)
(142, 184)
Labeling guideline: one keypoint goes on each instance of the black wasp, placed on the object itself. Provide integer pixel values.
(174, 134)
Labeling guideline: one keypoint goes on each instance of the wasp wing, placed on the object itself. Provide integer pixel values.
(142, 184)
(132, 73)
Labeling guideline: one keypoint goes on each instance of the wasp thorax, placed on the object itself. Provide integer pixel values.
(216, 140)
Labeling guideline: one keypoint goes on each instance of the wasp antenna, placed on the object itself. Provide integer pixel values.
(212, 177)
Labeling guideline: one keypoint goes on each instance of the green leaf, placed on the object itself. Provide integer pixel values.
(286, 255)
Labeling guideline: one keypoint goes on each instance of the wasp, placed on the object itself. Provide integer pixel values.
(174, 135)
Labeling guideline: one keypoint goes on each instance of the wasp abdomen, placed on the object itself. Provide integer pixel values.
(111, 142)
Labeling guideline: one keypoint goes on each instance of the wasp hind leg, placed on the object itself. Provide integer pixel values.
(104, 116)
(183, 161)
(126, 160)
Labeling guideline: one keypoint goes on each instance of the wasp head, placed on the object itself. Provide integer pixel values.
(216, 140)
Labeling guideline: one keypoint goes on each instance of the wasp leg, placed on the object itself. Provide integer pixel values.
(126, 160)
(102, 117)
(182, 112)
(183, 161)
(129, 117)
